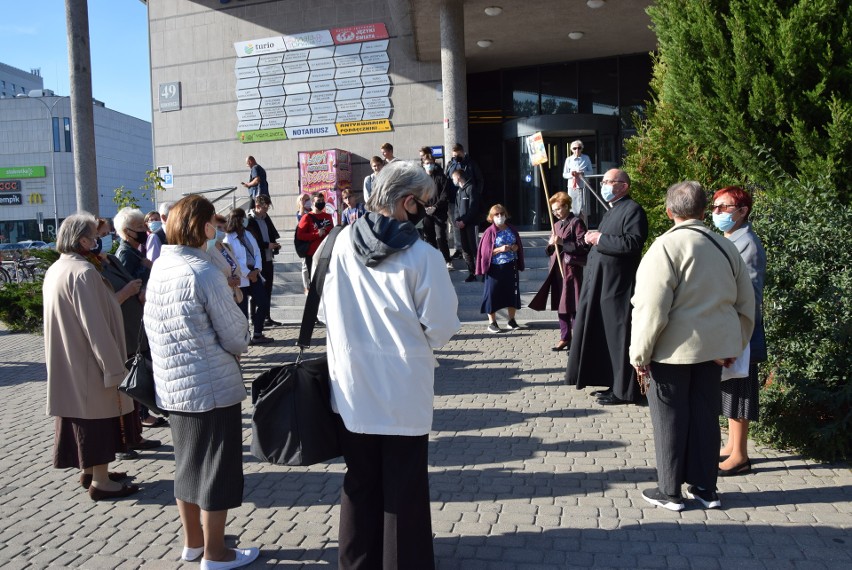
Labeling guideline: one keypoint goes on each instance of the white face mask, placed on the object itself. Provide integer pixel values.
(499, 220)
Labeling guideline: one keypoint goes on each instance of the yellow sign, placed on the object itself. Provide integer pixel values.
(360, 127)
(535, 146)
(36, 199)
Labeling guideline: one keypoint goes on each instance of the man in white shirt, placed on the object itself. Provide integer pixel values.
(376, 164)
(577, 167)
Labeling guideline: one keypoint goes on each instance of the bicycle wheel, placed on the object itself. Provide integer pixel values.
(4, 276)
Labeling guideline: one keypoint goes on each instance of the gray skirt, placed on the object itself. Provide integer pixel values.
(740, 396)
(209, 457)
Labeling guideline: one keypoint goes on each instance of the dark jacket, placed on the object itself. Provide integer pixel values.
(441, 201)
(467, 204)
(471, 170)
(254, 228)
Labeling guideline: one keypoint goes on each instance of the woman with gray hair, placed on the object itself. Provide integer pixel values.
(85, 351)
(388, 302)
(130, 226)
(693, 312)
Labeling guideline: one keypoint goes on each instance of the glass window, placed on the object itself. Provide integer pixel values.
(521, 93)
(56, 134)
(559, 89)
(598, 86)
(67, 134)
(634, 79)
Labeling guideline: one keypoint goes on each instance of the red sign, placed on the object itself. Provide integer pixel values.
(10, 185)
(364, 33)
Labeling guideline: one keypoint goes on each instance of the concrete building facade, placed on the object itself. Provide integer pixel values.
(271, 78)
(37, 167)
(14, 81)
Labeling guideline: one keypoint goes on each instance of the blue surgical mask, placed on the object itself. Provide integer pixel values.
(606, 192)
(155, 226)
(106, 242)
(429, 167)
(724, 221)
(245, 222)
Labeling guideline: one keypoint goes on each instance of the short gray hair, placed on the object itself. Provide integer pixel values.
(686, 200)
(579, 143)
(397, 180)
(164, 209)
(72, 229)
(124, 218)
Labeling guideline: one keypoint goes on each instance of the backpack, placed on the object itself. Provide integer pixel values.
(302, 246)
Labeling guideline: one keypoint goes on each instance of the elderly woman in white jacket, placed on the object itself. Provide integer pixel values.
(693, 312)
(387, 303)
(197, 333)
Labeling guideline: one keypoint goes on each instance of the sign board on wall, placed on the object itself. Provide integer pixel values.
(10, 200)
(314, 84)
(169, 96)
(22, 172)
(10, 185)
(328, 171)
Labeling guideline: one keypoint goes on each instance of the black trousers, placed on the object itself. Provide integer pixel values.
(385, 517)
(435, 233)
(258, 295)
(267, 270)
(468, 246)
(685, 402)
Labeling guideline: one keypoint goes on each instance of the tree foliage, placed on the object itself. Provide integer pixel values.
(758, 93)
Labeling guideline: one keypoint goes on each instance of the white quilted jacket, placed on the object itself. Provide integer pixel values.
(195, 330)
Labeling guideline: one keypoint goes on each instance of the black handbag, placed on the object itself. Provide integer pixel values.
(139, 382)
(292, 422)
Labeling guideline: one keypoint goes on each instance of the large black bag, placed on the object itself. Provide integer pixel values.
(293, 423)
(139, 382)
(301, 245)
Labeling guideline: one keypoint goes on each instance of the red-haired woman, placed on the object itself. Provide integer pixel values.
(731, 208)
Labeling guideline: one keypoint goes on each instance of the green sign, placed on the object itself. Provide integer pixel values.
(22, 172)
(264, 135)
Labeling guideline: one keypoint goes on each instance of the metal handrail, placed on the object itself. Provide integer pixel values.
(226, 190)
(593, 193)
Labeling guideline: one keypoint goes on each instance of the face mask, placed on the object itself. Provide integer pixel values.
(724, 221)
(499, 220)
(106, 242)
(245, 222)
(155, 226)
(98, 246)
(429, 168)
(418, 216)
(606, 192)
(319, 205)
(141, 237)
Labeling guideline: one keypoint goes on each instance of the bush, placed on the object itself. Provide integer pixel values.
(807, 401)
(21, 304)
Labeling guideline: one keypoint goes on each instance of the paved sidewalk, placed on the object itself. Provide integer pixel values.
(526, 473)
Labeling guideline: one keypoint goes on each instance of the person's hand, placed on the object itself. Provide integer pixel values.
(141, 296)
(252, 276)
(274, 246)
(726, 362)
(642, 370)
(430, 210)
(460, 224)
(233, 281)
(244, 184)
(592, 237)
(133, 287)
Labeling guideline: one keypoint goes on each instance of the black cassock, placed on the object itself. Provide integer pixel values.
(601, 336)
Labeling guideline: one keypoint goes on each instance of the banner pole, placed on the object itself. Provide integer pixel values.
(552, 223)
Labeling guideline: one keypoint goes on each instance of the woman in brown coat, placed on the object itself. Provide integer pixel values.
(85, 353)
(563, 288)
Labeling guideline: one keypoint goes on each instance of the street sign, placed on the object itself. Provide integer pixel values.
(165, 172)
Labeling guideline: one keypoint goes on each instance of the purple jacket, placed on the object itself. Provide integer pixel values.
(486, 247)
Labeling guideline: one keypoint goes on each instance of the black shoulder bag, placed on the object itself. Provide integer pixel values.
(139, 382)
(293, 423)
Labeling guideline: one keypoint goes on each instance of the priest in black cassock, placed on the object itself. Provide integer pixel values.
(601, 337)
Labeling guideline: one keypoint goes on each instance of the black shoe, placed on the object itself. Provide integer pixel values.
(611, 400)
(600, 393)
(660, 499)
(513, 325)
(146, 444)
(260, 339)
(126, 455)
(740, 469)
(125, 491)
(457, 255)
(470, 278)
(708, 498)
(158, 422)
(271, 323)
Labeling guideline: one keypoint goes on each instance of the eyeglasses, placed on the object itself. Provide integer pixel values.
(725, 207)
(613, 182)
(576, 148)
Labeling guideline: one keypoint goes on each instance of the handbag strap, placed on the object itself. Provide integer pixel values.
(320, 268)
(712, 240)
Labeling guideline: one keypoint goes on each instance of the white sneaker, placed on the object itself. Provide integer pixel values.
(245, 556)
(450, 266)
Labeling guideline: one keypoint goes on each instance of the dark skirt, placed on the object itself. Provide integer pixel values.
(501, 288)
(81, 443)
(740, 396)
(209, 457)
